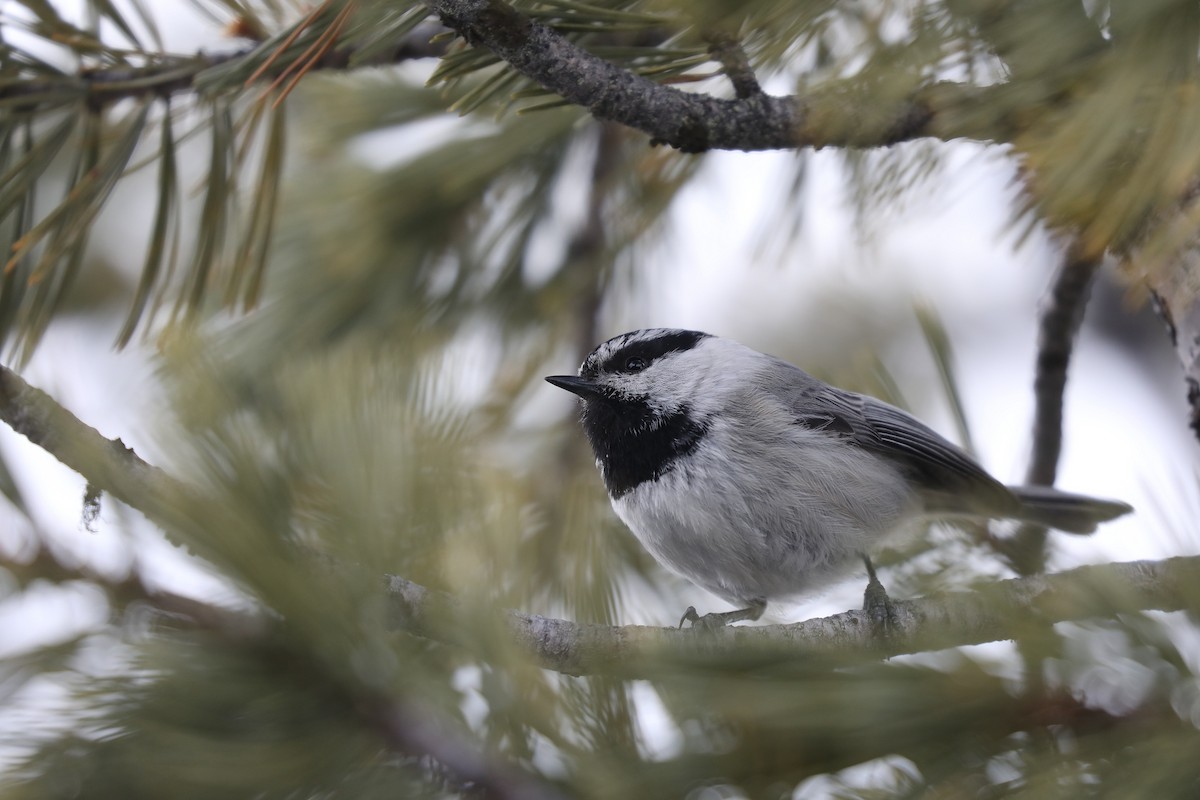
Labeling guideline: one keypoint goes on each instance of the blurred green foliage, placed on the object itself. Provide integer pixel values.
(351, 343)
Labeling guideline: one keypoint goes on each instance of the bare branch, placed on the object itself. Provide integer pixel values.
(996, 612)
(1060, 322)
(1026, 551)
(697, 122)
(106, 463)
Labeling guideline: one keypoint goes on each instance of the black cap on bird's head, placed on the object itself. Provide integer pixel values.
(626, 354)
(638, 424)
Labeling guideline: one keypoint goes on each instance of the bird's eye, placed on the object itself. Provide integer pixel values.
(635, 364)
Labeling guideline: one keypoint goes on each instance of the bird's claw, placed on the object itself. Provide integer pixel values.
(719, 619)
(709, 622)
(880, 610)
(878, 606)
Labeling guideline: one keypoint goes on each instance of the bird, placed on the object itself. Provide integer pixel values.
(759, 482)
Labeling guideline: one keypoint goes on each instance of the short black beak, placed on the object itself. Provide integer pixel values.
(575, 385)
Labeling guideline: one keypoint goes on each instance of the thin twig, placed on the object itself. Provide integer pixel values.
(175, 74)
(1026, 550)
(729, 54)
(1056, 340)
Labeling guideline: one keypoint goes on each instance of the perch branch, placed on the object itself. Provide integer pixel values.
(991, 613)
(995, 612)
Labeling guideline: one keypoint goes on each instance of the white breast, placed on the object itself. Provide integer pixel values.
(749, 515)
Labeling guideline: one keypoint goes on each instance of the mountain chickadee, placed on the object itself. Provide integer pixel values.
(757, 481)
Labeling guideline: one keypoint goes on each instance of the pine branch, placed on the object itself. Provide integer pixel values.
(169, 75)
(995, 612)
(100, 87)
(696, 122)
(106, 463)
(109, 464)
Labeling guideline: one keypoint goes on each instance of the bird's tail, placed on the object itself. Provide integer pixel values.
(1073, 513)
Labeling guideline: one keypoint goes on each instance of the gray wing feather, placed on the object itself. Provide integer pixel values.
(950, 478)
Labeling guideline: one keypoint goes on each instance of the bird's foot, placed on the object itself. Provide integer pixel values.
(719, 619)
(878, 606)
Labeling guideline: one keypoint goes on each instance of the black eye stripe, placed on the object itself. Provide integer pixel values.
(619, 361)
(645, 349)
